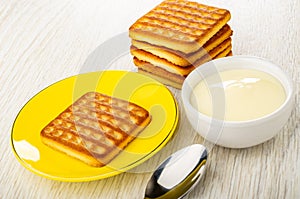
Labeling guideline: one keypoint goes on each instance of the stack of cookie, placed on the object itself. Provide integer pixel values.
(177, 36)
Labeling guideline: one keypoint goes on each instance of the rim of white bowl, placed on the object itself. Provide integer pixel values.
(286, 82)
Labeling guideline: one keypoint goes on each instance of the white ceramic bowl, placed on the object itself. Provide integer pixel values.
(237, 134)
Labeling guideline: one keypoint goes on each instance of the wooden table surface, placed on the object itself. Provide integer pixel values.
(42, 42)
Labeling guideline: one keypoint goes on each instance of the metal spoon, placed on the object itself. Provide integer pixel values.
(178, 174)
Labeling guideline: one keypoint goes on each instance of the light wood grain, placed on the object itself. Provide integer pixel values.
(42, 42)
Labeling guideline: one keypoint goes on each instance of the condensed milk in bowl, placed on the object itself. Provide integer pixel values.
(238, 101)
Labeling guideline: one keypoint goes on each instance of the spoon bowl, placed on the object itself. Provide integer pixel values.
(178, 174)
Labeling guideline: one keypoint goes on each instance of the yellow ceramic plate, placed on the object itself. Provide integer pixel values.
(47, 104)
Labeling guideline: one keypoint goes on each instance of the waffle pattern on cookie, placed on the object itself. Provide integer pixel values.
(179, 22)
(96, 128)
